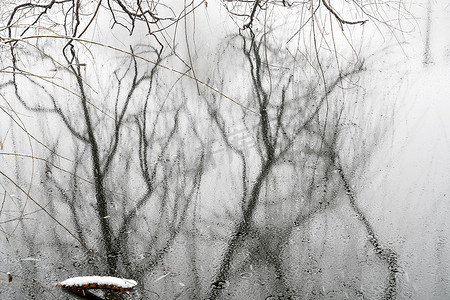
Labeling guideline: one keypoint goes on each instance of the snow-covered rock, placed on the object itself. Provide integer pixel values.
(98, 282)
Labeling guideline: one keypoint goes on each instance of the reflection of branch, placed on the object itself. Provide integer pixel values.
(44, 209)
(222, 128)
(71, 201)
(149, 177)
(176, 223)
(101, 201)
(119, 121)
(38, 108)
(23, 128)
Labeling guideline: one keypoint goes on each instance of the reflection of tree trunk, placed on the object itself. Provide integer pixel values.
(267, 160)
(242, 229)
(102, 206)
(427, 51)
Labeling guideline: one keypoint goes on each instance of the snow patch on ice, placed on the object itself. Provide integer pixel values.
(99, 280)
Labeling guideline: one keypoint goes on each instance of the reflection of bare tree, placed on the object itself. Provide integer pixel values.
(167, 177)
(280, 137)
(141, 145)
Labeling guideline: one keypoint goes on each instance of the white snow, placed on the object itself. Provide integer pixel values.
(30, 259)
(99, 280)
